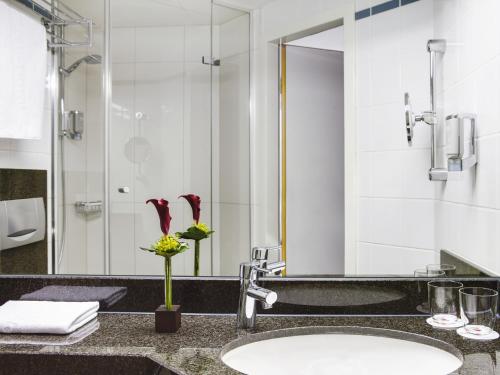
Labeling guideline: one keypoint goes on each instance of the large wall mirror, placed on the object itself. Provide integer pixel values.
(363, 141)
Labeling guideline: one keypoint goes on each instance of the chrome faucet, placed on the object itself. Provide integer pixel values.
(250, 291)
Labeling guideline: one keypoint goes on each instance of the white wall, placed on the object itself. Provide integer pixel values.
(315, 161)
(467, 210)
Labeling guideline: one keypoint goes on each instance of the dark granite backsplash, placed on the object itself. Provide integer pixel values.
(220, 295)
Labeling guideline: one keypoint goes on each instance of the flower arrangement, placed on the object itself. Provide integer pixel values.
(197, 231)
(167, 246)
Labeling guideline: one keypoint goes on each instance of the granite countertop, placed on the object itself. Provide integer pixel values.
(195, 348)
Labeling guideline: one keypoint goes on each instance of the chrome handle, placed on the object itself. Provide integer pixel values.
(275, 267)
(409, 119)
(210, 61)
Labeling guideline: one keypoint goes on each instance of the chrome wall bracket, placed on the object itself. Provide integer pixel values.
(61, 16)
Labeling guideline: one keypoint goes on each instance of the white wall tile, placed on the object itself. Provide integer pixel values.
(235, 36)
(122, 234)
(235, 236)
(392, 260)
(197, 42)
(123, 46)
(159, 44)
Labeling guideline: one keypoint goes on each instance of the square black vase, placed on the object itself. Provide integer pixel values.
(167, 321)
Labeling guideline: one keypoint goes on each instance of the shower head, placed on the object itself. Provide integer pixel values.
(89, 59)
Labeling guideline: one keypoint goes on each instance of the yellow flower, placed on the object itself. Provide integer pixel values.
(169, 245)
(203, 227)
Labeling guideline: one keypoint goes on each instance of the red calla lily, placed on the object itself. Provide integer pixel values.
(163, 213)
(195, 202)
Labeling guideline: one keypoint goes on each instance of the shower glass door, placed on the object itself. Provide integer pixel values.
(160, 130)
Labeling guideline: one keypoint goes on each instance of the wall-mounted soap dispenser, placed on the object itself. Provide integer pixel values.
(22, 221)
(73, 123)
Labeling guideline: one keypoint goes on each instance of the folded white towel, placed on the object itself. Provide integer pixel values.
(23, 70)
(45, 316)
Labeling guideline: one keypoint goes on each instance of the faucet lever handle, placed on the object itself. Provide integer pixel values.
(275, 267)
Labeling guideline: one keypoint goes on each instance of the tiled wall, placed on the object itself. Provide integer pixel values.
(397, 207)
(459, 215)
(467, 210)
(404, 219)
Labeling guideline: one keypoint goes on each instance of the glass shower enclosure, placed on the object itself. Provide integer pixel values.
(162, 105)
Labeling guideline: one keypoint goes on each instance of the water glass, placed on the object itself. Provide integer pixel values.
(422, 286)
(478, 309)
(444, 301)
(424, 273)
(448, 269)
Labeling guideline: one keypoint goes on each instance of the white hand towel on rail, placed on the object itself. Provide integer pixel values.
(23, 70)
(45, 316)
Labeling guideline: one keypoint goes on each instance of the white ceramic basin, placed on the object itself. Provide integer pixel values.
(341, 351)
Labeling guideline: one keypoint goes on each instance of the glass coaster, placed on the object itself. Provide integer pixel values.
(456, 324)
(493, 335)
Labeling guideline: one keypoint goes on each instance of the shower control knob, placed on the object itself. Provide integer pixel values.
(124, 189)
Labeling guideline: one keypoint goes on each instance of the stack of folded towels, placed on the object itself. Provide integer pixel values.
(56, 309)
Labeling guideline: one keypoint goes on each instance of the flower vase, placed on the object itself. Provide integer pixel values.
(168, 316)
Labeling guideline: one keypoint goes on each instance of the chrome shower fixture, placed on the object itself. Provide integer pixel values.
(466, 155)
(89, 59)
(434, 46)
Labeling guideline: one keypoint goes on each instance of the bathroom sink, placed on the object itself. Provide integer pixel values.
(340, 351)
(55, 364)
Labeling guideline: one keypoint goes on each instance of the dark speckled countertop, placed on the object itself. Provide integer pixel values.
(195, 348)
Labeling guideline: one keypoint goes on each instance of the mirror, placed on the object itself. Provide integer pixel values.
(288, 123)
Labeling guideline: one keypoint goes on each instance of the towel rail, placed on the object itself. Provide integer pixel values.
(61, 15)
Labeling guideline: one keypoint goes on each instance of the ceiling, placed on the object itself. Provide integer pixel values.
(245, 4)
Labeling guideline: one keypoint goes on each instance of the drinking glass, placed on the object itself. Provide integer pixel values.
(444, 301)
(422, 286)
(478, 310)
(448, 269)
